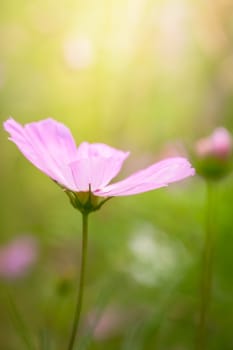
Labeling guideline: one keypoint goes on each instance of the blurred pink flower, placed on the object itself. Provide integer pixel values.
(107, 324)
(17, 257)
(218, 144)
(50, 146)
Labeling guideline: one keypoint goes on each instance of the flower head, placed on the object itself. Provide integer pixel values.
(85, 172)
(214, 153)
(218, 144)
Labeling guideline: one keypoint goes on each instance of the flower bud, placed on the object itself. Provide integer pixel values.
(214, 154)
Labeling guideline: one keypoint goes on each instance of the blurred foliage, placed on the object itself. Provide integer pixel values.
(141, 75)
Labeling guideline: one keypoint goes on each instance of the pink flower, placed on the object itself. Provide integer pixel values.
(17, 257)
(107, 324)
(50, 146)
(213, 154)
(218, 144)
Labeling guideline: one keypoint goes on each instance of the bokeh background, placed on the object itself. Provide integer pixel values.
(149, 76)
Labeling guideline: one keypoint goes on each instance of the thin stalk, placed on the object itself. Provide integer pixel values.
(207, 267)
(78, 308)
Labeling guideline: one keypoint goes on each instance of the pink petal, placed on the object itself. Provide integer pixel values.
(219, 144)
(89, 150)
(48, 145)
(222, 142)
(156, 176)
(96, 166)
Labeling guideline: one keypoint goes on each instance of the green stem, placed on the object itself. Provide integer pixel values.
(207, 267)
(77, 314)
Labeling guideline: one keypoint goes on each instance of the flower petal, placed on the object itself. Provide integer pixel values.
(156, 176)
(97, 164)
(86, 150)
(48, 145)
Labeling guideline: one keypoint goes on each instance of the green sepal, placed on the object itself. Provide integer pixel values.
(213, 168)
(85, 202)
